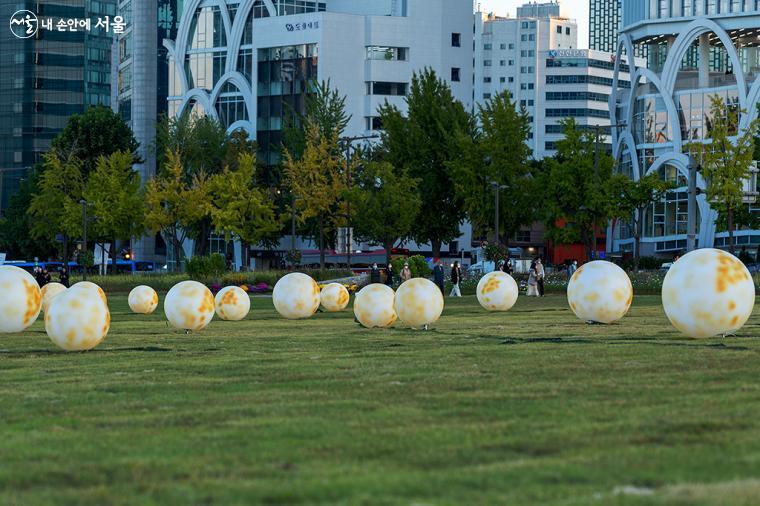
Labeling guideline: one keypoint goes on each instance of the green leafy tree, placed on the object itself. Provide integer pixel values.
(55, 207)
(173, 204)
(97, 132)
(240, 208)
(386, 204)
(488, 162)
(113, 189)
(573, 196)
(16, 224)
(424, 142)
(316, 181)
(726, 160)
(628, 201)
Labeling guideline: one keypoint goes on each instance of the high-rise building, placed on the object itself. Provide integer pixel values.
(603, 24)
(249, 63)
(53, 71)
(697, 49)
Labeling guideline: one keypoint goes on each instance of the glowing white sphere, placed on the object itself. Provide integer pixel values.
(708, 292)
(20, 299)
(232, 303)
(497, 291)
(295, 296)
(419, 302)
(90, 287)
(143, 300)
(189, 305)
(77, 320)
(600, 291)
(374, 306)
(48, 292)
(334, 297)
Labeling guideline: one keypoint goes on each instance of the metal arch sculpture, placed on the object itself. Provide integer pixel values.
(201, 97)
(667, 98)
(242, 86)
(626, 141)
(238, 26)
(624, 43)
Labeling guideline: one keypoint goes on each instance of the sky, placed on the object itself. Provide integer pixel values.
(576, 9)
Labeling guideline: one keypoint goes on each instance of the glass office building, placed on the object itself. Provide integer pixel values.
(697, 49)
(45, 79)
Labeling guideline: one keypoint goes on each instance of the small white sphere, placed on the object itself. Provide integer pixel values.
(334, 297)
(419, 302)
(143, 300)
(374, 306)
(708, 292)
(600, 291)
(232, 303)
(20, 299)
(497, 291)
(77, 320)
(189, 305)
(48, 292)
(295, 296)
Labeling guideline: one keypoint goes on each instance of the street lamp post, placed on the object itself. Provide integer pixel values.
(691, 213)
(85, 204)
(349, 140)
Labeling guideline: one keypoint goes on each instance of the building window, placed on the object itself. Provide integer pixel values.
(502, 46)
(511, 63)
(456, 40)
(559, 29)
(386, 88)
(455, 74)
(524, 25)
(487, 47)
(373, 123)
(567, 31)
(511, 79)
(511, 46)
(387, 53)
(486, 96)
(527, 86)
(527, 70)
(522, 236)
(486, 63)
(502, 79)
(486, 79)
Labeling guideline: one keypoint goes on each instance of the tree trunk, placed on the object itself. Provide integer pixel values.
(388, 245)
(321, 243)
(177, 254)
(112, 254)
(245, 252)
(638, 225)
(731, 229)
(585, 238)
(436, 245)
(66, 250)
(201, 242)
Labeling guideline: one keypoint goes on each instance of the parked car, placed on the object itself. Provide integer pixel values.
(665, 267)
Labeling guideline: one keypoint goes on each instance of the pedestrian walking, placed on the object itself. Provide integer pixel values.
(389, 274)
(406, 273)
(571, 269)
(540, 273)
(374, 274)
(456, 277)
(63, 277)
(532, 281)
(438, 276)
(506, 266)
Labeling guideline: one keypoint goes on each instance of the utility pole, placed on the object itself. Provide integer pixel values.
(691, 214)
(349, 141)
(84, 238)
(293, 228)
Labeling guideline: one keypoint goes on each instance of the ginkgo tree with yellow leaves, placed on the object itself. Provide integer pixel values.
(173, 202)
(317, 183)
(240, 208)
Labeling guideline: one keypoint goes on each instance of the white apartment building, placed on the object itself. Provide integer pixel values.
(537, 60)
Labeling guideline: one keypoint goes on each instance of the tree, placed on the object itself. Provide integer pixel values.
(16, 239)
(172, 204)
(424, 142)
(574, 195)
(239, 207)
(386, 204)
(726, 160)
(316, 182)
(629, 199)
(55, 207)
(488, 161)
(98, 132)
(113, 189)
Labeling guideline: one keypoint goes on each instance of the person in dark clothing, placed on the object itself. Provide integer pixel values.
(438, 275)
(374, 274)
(507, 267)
(456, 277)
(389, 274)
(63, 276)
(46, 276)
(39, 276)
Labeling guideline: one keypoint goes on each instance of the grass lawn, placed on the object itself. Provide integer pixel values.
(526, 407)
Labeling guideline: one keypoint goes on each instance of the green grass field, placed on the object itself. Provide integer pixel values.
(526, 407)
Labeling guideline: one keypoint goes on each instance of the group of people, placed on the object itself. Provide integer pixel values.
(42, 276)
(536, 276)
(406, 274)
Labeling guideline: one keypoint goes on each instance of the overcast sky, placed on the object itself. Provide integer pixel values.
(576, 9)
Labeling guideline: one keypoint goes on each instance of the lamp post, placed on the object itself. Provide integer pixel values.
(691, 213)
(85, 205)
(349, 140)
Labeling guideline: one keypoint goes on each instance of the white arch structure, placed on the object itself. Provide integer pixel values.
(234, 33)
(665, 86)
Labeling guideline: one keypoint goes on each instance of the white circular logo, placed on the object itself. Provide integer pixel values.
(24, 24)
